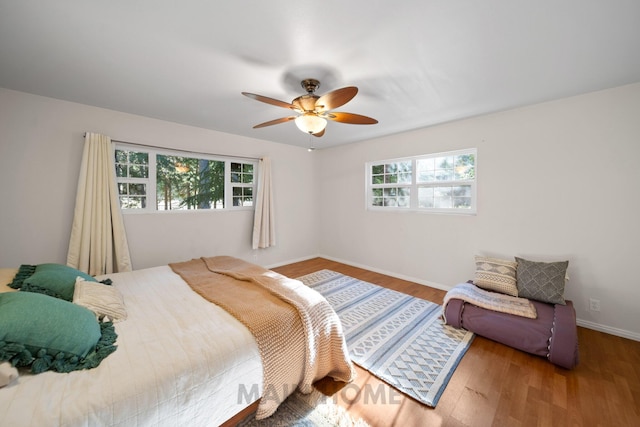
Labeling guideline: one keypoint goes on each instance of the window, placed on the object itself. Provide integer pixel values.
(158, 180)
(132, 175)
(443, 182)
(242, 184)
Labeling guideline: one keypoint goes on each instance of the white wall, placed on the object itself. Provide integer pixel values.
(556, 181)
(41, 141)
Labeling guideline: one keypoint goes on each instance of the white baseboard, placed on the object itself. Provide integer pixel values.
(292, 261)
(391, 273)
(609, 329)
(583, 323)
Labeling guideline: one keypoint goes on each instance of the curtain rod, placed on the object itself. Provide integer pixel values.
(181, 150)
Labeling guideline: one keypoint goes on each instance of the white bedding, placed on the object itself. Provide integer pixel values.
(181, 361)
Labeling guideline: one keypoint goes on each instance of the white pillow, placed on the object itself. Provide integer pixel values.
(498, 275)
(6, 277)
(8, 374)
(104, 300)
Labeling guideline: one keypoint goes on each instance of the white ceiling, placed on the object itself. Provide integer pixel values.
(416, 62)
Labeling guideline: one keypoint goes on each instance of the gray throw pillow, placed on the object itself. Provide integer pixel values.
(541, 281)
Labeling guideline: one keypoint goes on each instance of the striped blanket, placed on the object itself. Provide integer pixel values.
(490, 300)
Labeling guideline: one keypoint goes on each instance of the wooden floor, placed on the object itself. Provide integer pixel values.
(495, 385)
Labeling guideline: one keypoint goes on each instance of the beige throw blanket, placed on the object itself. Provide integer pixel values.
(298, 333)
(490, 300)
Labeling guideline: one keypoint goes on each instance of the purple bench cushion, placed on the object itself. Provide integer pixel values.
(553, 334)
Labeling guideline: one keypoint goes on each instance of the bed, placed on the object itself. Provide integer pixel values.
(180, 360)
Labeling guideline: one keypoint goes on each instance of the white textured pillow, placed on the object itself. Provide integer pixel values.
(498, 275)
(104, 300)
(8, 374)
(6, 277)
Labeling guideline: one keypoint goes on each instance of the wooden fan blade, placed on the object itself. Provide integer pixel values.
(336, 98)
(354, 119)
(275, 122)
(268, 100)
(319, 134)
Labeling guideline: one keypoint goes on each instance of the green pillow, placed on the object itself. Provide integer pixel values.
(24, 272)
(56, 280)
(47, 333)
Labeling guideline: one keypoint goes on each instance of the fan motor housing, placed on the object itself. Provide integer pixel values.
(310, 85)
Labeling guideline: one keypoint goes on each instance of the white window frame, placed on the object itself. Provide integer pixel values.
(153, 152)
(412, 204)
(230, 184)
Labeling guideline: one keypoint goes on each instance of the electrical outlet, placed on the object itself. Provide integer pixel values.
(594, 304)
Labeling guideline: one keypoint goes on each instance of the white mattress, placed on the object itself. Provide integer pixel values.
(181, 360)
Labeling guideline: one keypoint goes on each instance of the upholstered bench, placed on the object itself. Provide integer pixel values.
(518, 303)
(552, 334)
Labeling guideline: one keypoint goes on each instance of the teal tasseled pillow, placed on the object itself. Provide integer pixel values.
(47, 333)
(56, 280)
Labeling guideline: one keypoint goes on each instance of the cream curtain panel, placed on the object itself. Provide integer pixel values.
(98, 243)
(264, 231)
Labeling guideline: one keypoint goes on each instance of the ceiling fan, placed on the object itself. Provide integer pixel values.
(313, 110)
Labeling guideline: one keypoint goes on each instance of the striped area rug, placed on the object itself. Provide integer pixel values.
(398, 338)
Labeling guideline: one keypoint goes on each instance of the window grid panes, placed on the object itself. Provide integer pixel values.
(242, 183)
(392, 196)
(444, 182)
(132, 175)
(391, 173)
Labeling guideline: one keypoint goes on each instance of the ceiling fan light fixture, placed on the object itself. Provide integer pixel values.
(310, 123)
(313, 110)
